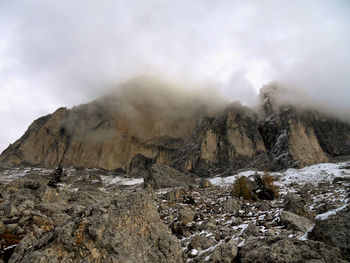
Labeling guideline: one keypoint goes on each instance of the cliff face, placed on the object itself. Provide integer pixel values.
(109, 132)
(137, 127)
(230, 140)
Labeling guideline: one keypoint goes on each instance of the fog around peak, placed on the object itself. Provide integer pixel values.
(65, 53)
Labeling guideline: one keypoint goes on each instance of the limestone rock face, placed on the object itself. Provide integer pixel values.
(231, 139)
(142, 124)
(108, 133)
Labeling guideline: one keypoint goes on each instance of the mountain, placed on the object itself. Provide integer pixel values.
(147, 121)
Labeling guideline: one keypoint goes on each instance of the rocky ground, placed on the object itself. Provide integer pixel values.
(100, 216)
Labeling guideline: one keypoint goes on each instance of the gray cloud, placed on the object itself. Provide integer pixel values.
(64, 53)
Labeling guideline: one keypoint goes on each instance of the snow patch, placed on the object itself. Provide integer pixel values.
(121, 180)
(326, 215)
(304, 237)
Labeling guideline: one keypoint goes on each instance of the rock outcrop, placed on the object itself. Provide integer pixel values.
(44, 224)
(277, 249)
(334, 230)
(295, 222)
(142, 124)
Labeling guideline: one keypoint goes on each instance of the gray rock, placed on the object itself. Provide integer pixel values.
(287, 250)
(224, 253)
(186, 215)
(174, 194)
(127, 230)
(10, 210)
(295, 222)
(263, 206)
(208, 225)
(325, 208)
(162, 176)
(139, 164)
(231, 205)
(297, 205)
(250, 230)
(334, 231)
(200, 242)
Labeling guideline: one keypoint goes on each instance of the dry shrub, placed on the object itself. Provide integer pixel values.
(8, 239)
(266, 189)
(263, 187)
(241, 189)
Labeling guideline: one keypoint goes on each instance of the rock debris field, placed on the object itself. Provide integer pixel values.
(94, 215)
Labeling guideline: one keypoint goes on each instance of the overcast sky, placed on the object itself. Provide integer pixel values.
(63, 53)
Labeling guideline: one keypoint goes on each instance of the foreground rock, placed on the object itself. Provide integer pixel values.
(39, 223)
(126, 228)
(277, 249)
(295, 222)
(295, 204)
(334, 230)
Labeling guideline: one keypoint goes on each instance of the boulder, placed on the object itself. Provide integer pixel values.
(162, 176)
(250, 230)
(126, 228)
(224, 253)
(186, 215)
(199, 242)
(174, 194)
(287, 250)
(333, 228)
(139, 164)
(231, 205)
(295, 222)
(295, 204)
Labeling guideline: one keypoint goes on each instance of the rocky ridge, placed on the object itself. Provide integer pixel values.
(141, 125)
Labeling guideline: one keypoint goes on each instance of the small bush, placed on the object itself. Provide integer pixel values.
(241, 189)
(266, 189)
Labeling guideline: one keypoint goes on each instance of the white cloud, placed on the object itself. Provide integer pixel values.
(68, 52)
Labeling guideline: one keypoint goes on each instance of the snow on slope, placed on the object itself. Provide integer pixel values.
(310, 174)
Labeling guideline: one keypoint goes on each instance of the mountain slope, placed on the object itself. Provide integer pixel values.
(143, 122)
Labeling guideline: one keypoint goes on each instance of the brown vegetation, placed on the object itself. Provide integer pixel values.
(240, 188)
(267, 190)
(8, 239)
(263, 187)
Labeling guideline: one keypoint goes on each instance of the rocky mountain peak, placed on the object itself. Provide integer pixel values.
(156, 122)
